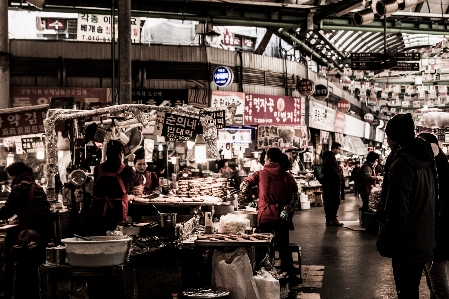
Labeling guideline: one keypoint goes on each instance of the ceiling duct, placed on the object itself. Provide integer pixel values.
(364, 16)
(387, 7)
(37, 3)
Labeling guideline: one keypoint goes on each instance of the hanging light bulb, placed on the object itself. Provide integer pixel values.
(40, 154)
(160, 147)
(200, 149)
(190, 144)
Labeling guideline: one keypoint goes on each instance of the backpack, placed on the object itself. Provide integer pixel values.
(318, 172)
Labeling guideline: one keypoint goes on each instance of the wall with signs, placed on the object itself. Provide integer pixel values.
(232, 102)
(282, 136)
(354, 126)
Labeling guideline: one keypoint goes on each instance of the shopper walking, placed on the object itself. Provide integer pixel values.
(331, 185)
(367, 180)
(436, 271)
(277, 198)
(407, 228)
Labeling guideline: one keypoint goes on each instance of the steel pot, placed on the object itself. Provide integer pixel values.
(167, 219)
(55, 255)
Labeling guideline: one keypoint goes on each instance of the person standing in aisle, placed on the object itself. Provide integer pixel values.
(110, 192)
(355, 177)
(407, 225)
(368, 180)
(436, 271)
(331, 185)
(278, 194)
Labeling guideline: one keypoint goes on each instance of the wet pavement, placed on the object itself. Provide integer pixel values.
(352, 266)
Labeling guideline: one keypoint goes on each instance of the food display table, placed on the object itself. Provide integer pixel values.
(310, 191)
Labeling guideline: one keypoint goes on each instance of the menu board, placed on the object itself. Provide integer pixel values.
(282, 136)
(272, 110)
(22, 122)
(232, 102)
(218, 117)
(175, 127)
(321, 117)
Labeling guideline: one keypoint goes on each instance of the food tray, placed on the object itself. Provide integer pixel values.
(235, 242)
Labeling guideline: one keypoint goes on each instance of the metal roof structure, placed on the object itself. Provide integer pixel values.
(324, 29)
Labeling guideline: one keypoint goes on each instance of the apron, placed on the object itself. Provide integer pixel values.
(107, 200)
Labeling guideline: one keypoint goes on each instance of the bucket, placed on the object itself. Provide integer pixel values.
(303, 197)
(371, 221)
(305, 205)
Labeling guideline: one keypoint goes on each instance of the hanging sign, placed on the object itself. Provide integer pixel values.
(218, 117)
(232, 102)
(340, 122)
(272, 110)
(343, 105)
(321, 92)
(223, 76)
(22, 122)
(32, 144)
(306, 87)
(176, 97)
(321, 117)
(369, 118)
(175, 127)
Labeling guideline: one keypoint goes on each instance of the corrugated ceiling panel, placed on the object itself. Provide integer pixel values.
(222, 57)
(257, 89)
(84, 82)
(168, 84)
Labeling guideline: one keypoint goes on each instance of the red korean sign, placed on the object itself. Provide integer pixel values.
(343, 106)
(340, 122)
(275, 110)
(31, 95)
(306, 87)
(22, 122)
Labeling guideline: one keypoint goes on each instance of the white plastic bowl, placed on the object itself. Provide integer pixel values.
(100, 252)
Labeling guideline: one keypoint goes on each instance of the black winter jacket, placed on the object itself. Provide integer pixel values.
(331, 173)
(407, 229)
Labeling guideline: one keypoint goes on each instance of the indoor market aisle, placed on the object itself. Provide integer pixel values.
(342, 262)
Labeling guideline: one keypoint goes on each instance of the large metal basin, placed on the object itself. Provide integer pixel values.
(101, 251)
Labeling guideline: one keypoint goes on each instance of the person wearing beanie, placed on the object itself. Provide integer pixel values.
(148, 180)
(407, 220)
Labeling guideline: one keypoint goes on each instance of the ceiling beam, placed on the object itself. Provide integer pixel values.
(393, 26)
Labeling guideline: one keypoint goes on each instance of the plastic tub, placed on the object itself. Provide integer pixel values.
(305, 205)
(100, 252)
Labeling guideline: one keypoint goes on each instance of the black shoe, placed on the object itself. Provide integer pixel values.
(294, 280)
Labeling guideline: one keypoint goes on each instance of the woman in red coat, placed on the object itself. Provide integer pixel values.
(277, 192)
(148, 180)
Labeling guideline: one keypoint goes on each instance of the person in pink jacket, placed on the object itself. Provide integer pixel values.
(277, 192)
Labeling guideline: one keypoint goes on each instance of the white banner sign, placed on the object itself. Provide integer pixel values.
(232, 102)
(321, 117)
(98, 28)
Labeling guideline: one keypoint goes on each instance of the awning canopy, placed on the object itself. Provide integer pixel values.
(355, 145)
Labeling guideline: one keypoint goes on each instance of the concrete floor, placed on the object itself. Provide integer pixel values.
(352, 266)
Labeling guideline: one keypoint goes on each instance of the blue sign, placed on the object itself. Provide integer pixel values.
(223, 76)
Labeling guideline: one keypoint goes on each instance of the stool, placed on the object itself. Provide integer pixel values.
(294, 248)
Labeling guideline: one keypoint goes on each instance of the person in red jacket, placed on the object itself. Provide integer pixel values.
(277, 191)
(148, 180)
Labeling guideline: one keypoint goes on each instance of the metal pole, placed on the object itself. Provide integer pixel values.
(124, 49)
(4, 56)
(114, 94)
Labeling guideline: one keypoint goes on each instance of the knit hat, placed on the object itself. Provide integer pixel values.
(401, 129)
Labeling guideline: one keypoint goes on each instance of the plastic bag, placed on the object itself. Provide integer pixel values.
(233, 271)
(267, 286)
(374, 201)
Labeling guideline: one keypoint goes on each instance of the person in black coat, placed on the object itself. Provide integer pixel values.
(331, 185)
(407, 227)
(436, 271)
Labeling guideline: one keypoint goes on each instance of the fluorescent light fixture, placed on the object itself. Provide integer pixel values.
(40, 154)
(418, 80)
(190, 144)
(200, 149)
(160, 147)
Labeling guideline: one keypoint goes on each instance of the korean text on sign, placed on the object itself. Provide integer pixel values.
(276, 110)
(22, 123)
(218, 117)
(175, 127)
(98, 28)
